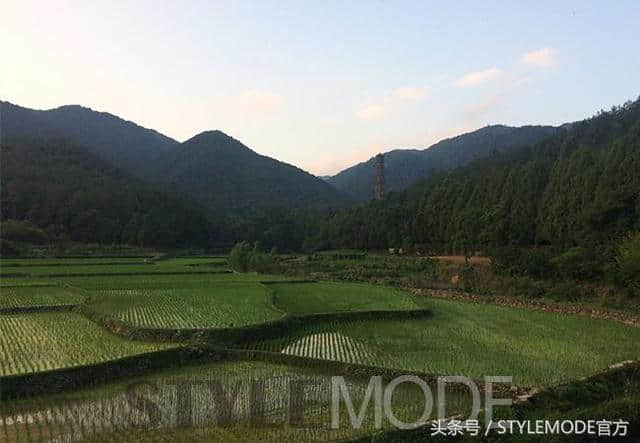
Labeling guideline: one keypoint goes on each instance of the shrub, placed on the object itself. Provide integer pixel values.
(243, 257)
(531, 262)
(628, 261)
(260, 261)
(22, 231)
(578, 263)
(468, 277)
(240, 256)
(528, 287)
(8, 249)
(569, 291)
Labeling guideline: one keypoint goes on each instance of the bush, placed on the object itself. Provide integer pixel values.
(240, 256)
(530, 262)
(8, 249)
(22, 231)
(528, 287)
(579, 263)
(243, 257)
(569, 291)
(628, 261)
(468, 277)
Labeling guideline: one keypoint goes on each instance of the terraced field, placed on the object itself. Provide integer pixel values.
(196, 261)
(89, 270)
(32, 296)
(309, 298)
(156, 281)
(45, 341)
(96, 267)
(83, 261)
(105, 413)
(537, 348)
(331, 346)
(222, 305)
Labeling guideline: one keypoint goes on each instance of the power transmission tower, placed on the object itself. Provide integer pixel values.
(378, 181)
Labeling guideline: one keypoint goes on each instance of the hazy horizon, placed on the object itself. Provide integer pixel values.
(323, 87)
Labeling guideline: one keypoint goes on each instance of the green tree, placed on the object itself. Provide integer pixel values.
(628, 260)
(240, 256)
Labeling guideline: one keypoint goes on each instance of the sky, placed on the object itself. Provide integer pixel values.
(323, 84)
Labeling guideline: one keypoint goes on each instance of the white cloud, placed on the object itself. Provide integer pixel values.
(410, 93)
(541, 58)
(394, 99)
(371, 112)
(479, 77)
(254, 101)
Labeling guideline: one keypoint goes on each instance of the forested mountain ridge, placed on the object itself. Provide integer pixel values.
(224, 176)
(577, 189)
(404, 167)
(74, 195)
(212, 168)
(121, 143)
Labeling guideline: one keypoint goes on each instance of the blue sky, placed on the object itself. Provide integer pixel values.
(323, 85)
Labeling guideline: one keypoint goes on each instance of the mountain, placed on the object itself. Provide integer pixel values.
(121, 143)
(225, 176)
(579, 189)
(213, 168)
(404, 167)
(73, 194)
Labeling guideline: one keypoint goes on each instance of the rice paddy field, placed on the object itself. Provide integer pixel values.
(536, 348)
(153, 281)
(219, 305)
(223, 409)
(321, 297)
(36, 296)
(44, 341)
(108, 266)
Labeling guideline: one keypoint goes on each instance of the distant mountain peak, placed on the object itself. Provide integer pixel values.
(75, 107)
(223, 174)
(211, 134)
(215, 141)
(404, 167)
(120, 142)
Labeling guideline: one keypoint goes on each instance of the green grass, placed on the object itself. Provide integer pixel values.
(475, 340)
(29, 296)
(309, 298)
(222, 305)
(40, 342)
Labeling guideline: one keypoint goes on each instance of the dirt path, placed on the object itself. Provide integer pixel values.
(601, 313)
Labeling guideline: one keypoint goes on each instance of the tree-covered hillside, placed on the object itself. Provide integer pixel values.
(577, 189)
(216, 170)
(404, 167)
(121, 143)
(74, 195)
(227, 177)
